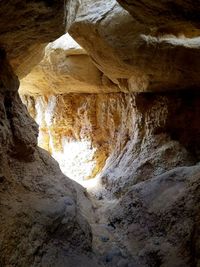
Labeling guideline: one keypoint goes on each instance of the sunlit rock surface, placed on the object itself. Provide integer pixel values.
(125, 138)
(148, 140)
(80, 130)
(60, 134)
(66, 68)
(143, 148)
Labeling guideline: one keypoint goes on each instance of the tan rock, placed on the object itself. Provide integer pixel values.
(39, 207)
(25, 28)
(66, 68)
(79, 130)
(148, 211)
(124, 138)
(166, 17)
(141, 60)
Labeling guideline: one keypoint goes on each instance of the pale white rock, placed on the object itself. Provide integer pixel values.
(143, 57)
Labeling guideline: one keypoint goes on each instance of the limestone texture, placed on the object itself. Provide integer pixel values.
(41, 223)
(180, 16)
(157, 220)
(65, 68)
(132, 137)
(121, 105)
(143, 55)
(26, 27)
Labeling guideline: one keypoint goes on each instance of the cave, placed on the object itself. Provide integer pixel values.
(99, 133)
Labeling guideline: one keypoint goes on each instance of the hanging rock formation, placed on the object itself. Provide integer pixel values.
(66, 68)
(142, 59)
(131, 93)
(180, 16)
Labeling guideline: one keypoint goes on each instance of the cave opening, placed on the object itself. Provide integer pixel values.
(74, 153)
(64, 107)
(117, 105)
(102, 137)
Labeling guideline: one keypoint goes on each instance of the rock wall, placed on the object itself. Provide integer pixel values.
(131, 138)
(41, 220)
(159, 133)
(25, 29)
(149, 139)
(41, 223)
(91, 119)
(158, 220)
(66, 68)
(145, 146)
(143, 55)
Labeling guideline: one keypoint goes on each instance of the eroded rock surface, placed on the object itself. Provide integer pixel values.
(26, 27)
(132, 137)
(157, 134)
(142, 59)
(66, 68)
(166, 16)
(41, 224)
(145, 212)
(74, 121)
(157, 220)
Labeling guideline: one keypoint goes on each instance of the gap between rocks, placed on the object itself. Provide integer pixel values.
(109, 142)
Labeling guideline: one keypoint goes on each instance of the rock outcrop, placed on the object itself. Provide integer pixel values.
(25, 29)
(144, 147)
(167, 17)
(66, 68)
(41, 221)
(131, 137)
(158, 220)
(41, 224)
(158, 133)
(142, 59)
(89, 121)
